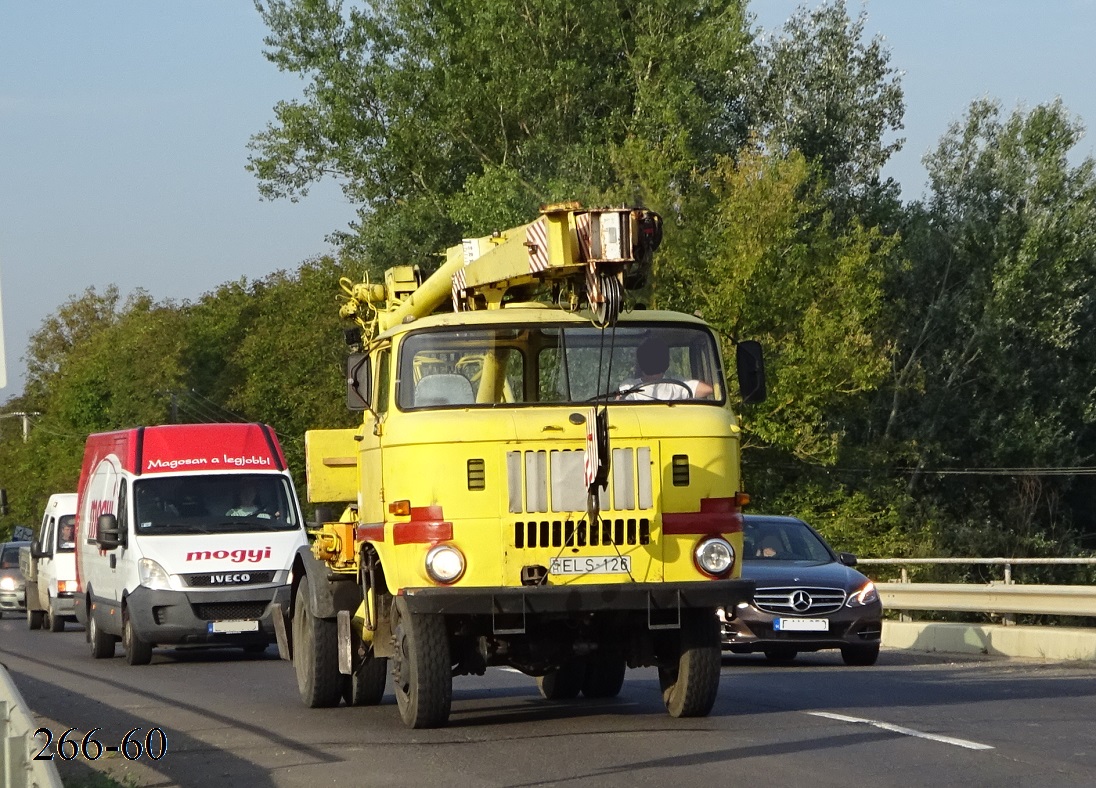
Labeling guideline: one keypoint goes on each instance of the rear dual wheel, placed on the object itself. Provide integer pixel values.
(315, 653)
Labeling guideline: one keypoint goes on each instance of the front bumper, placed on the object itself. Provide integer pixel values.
(533, 600)
(753, 630)
(178, 617)
(13, 601)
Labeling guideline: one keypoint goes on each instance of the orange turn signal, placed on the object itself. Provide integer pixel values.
(400, 508)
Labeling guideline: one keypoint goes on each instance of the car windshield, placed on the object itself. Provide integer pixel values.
(779, 540)
(9, 559)
(214, 503)
(558, 364)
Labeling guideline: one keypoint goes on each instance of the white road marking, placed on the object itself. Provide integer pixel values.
(970, 745)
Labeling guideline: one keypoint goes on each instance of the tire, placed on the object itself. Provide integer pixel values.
(780, 654)
(35, 619)
(564, 683)
(138, 652)
(604, 676)
(366, 686)
(315, 653)
(102, 644)
(861, 656)
(690, 687)
(56, 622)
(422, 674)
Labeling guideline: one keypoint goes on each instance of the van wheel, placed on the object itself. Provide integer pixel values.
(421, 671)
(315, 653)
(690, 685)
(138, 652)
(102, 644)
(56, 622)
(34, 619)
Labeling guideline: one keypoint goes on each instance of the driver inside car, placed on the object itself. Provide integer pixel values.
(652, 361)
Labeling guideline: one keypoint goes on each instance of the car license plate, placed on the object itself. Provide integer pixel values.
(233, 626)
(592, 565)
(801, 625)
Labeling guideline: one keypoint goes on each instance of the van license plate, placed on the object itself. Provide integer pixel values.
(801, 625)
(592, 565)
(233, 626)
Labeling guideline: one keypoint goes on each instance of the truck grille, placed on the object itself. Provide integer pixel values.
(577, 533)
(229, 611)
(554, 481)
(217, 579)
(799, 600)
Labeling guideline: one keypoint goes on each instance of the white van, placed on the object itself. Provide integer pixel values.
(51, 581)
(186, 534)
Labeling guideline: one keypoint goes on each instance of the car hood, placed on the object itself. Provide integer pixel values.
(782, 573)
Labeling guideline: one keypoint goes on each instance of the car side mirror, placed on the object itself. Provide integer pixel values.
(109, 536)
(751, 371)
(848, 559)
(359, 381)
(3, 501)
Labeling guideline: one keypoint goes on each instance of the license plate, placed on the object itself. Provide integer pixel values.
(233, 626)
(592, 565)
(801, 625)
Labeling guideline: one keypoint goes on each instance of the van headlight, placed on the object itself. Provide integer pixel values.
(444, 563)
(714, 556)
(864, 595)
(152, 575)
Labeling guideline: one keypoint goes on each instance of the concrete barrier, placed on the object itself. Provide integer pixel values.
(18, 768)
(1053, 644)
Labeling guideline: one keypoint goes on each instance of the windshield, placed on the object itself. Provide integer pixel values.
(9, 558)
(508, 365)
(223, 503)
(772, 540)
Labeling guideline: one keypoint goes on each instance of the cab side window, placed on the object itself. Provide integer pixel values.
(384, 373)
(123, 507)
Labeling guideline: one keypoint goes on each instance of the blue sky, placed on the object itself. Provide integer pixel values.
(123, 132)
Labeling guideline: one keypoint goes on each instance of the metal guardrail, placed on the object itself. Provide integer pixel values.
(18, 768)
(1005, 597)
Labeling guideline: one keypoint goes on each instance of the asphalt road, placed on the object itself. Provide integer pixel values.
(911, 720)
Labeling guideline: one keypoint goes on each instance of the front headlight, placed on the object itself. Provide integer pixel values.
(714, 556)
(7, 583)
(864, 595)
(152, 575)
(444, 563)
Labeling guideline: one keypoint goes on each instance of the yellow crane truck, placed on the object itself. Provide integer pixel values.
(546, 477)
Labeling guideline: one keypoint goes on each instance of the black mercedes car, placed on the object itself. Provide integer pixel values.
(808, 597)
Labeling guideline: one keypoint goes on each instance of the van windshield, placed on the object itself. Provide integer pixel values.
(66, 533)
(220, 503)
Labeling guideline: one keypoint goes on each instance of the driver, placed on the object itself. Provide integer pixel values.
(652, 361)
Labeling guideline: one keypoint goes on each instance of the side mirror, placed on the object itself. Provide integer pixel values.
(359, 381)
(3, 501)
(36, 550)
(751, 371)
(848, 559)
(109, 536)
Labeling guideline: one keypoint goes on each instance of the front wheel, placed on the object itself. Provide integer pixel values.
(35, 619)
(315, 653)
(690, 685)
(138, 652)
(102, 644)
(862, 656)
(421, 671)
(604, 676)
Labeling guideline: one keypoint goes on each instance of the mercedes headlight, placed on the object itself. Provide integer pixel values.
(864, 595)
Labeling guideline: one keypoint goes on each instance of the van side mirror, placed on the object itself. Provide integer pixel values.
(36, 550)
(751, 371)
(359, 381)
(109, 536)
(848, 559)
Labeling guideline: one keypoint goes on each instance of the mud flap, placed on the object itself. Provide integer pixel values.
(346, 643)
(281, 632)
